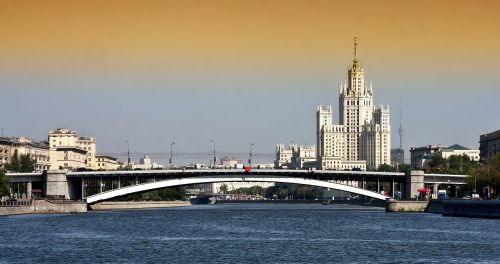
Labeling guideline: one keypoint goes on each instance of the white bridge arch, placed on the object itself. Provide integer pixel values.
(211, 179)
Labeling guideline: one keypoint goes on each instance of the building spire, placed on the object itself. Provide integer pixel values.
(355, 49)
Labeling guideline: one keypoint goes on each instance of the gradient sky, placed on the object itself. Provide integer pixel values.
(242, 71)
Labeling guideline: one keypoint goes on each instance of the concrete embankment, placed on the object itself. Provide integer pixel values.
(406, 206)
(44, 207)
(138, 205)
(464, 208)
(471, 208)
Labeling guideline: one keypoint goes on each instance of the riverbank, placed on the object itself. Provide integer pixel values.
(374, 203)
(138, 205)
(462, 208)
(43, 206)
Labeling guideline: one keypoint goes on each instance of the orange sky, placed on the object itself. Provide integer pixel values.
(189, 34)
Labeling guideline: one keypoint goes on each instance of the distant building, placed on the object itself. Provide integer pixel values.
(38, 151)
(88, 144)
(363, 136)
(295, 156)
(233, 162)
(65, 141)
(104, 162)
(458, 150)
(65, 153)
(489, 145)
(216, 187)
(397, 156)
(146, 164)
(421, 155)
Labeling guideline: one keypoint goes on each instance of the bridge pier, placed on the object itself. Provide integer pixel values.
(414, 181)
(55, 184)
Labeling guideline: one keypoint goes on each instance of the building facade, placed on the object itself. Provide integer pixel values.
(295, 157)
(38, 151)
(421, 155)
(363, 135)
(489, 145)
(397, 156)
(104, 162)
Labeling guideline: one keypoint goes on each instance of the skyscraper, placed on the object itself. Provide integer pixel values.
(362, 137)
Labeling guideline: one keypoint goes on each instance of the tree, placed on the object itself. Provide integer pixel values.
(15, 164)
(4, 184)
(223, 188)
(386, 167)
(486, 174)
(27, 164)
(23, 163)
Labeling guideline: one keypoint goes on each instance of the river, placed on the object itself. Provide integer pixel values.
(249, 233)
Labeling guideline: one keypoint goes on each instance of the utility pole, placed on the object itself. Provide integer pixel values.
(250, 159)
(215, 158)
(171, 145)
(128, 154)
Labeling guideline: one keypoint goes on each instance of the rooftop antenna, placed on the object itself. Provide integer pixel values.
(400, 123)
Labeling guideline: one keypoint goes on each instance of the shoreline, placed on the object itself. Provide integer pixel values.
(103, 206)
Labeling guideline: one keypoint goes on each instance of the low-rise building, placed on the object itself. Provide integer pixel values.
(295, 157)
(397, 156)
(67, 157)
(233, 162)
(146, 164)
(421, 155)
(104, 162)
(5, 150)
(38, 151)
(489, 145)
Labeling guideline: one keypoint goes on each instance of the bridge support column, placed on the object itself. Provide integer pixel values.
(28, 190)
(435, 188)
(378, 185)
(56, 184)
(393, 192)
(414, 181)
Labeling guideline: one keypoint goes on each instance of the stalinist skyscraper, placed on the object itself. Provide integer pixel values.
(362, 137)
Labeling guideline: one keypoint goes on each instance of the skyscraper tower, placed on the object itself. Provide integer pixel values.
(355, 105)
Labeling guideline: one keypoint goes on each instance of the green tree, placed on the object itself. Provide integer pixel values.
(27, 164)
(386, 167)
(486, 174)
(4, 184)
(15, 164)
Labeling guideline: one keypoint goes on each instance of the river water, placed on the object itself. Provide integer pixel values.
(249, 233)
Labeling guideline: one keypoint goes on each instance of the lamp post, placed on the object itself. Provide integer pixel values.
(215, 159)
(171, 145)
(250, 159)
(128, 154)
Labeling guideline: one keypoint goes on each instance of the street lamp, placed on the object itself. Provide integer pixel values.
(171, 145)
(250, 159)
(215, 159)
(128, 154)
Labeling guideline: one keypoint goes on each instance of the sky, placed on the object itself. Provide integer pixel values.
(242, 72)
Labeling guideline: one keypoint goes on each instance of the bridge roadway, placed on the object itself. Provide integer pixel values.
(110, 181)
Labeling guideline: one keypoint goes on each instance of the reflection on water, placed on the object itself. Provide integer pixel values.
(249, 233)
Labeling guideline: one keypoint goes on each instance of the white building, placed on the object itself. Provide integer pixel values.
(104, 162)
(295, 156)
(38, 151)
(65, 141)
(65, 153)
(421, 155)
(146, 164)
(362, 137)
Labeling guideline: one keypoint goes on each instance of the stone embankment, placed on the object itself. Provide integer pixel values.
(138, 205)
(463, 208)
(406, 206)
(43, 206)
